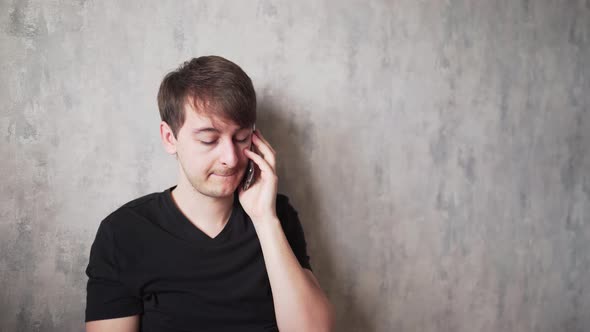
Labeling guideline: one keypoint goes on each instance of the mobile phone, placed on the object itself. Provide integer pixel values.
(249, 176)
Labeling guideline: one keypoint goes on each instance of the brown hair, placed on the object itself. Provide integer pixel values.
(214, 85)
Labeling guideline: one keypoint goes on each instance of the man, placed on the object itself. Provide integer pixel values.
(206, 254)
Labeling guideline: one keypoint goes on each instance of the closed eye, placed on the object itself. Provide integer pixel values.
(213, 142)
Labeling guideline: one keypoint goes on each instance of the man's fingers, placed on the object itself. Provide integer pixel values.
(259, 134)
(262, 164)
(267, 153)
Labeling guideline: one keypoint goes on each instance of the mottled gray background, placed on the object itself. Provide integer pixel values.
(437, 151)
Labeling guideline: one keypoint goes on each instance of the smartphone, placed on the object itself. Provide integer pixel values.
(249, 176)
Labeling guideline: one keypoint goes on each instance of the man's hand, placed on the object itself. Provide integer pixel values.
(259, 201)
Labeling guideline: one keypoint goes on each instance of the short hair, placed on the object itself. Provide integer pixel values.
(211, 81)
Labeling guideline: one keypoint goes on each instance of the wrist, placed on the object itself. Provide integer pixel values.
(265, 222)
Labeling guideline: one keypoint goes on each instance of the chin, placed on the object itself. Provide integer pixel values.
(215, 187)
(220, 190)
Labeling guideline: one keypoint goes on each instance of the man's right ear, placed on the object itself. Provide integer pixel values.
(168, 139)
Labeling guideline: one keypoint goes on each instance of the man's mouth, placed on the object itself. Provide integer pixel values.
(225, 175)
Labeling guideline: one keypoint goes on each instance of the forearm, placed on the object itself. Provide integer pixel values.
(123, 324)
(300, 304)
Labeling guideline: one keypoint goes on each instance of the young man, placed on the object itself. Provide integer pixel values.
(205, 254)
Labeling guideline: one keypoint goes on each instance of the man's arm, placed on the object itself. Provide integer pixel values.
(123, 324)
(110, 304)
(300, 304)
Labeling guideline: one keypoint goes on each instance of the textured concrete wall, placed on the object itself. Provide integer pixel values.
(438, 151)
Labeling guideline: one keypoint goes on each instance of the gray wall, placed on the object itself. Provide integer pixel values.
(438, 152)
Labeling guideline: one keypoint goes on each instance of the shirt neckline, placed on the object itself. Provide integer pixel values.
(189, 232)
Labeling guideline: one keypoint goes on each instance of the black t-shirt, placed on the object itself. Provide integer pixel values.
(149, 259)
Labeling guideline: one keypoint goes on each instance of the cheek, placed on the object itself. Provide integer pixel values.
(195, 160)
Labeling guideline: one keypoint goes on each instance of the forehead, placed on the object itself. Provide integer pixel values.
(194, 120)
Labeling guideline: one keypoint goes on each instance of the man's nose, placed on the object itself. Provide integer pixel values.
(229, 154)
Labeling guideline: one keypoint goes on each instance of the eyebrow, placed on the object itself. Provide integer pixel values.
(213, 130)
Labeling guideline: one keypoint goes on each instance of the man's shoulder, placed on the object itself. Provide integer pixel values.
(137, 208)
(285, 209)
(282, 201)
(140, 201)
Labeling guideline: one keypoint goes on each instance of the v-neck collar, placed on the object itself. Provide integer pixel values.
(185, 229)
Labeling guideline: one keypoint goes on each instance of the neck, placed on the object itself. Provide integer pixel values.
(203, 211)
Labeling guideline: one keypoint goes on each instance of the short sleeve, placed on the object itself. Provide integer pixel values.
(106, 296)
(293, 230)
